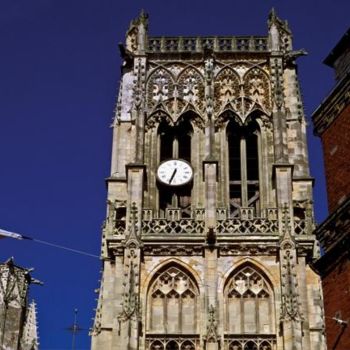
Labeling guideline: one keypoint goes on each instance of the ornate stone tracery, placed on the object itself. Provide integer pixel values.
(257, 87)
(226, 89)
(190, 87)
(173, 303)
(175, 95)
(160, 87)
(249, 303)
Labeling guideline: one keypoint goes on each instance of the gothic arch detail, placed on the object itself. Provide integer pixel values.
(156, 118)
(160, 88)
(173, 303)
(256, 86)
(243, 153)
(249, 303)
(226, 89)
(190, 87)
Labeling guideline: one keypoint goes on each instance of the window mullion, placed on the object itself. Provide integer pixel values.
(244, 187)
(175, 147)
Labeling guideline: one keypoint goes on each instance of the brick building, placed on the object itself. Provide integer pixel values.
(332, 124)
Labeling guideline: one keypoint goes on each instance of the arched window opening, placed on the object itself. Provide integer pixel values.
(243, 156)
(250, 345)
(166, 136)
(172, 345)
(157, 345)
(178, 344)
(173, 304)
(249, 304)
(175, 142)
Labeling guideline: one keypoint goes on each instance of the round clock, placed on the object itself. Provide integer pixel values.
(175, 172)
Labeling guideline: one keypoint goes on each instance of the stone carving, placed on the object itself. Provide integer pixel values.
(246, 227)
(116, 218)
(175, 98)
(226, 89)
(130, 297)
(190, 87)
(277, 83)
(280, 37)
(14, 283)
(165, 343)
(173, 250)
(172, 303)
(249, 344)
(257, 87)
(249, 293)
(241, 95)
(166, 227)
(289, 284)
(138, 88)
(246, 282)
(160, 87)
(17, 318)
(136, 32)
(198, 44)
(212, 336)
(240, 249)
(29, 339)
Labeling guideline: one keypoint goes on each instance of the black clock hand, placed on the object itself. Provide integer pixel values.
(172, 175)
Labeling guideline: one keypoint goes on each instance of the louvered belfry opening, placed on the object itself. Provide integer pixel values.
(243, 157)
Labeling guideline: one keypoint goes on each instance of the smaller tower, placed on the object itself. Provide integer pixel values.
(332, 125)
(18, 328)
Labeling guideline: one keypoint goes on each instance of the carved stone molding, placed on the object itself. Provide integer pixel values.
(173, 250)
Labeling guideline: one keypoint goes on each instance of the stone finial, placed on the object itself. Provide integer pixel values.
(212, 336)
(280, 36)
(136, 36)
(29, 339)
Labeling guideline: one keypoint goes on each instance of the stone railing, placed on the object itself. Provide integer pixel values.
(245, 224)
(173, 214)
(119, 227)
(166, 227)
(255, 226)
(303, 227)
(217, 44)
(246, 214)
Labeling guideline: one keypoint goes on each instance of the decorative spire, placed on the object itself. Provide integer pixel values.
(136, 35)
(30, 339)
(280, 36)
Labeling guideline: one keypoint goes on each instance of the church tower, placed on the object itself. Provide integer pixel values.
(208, 238)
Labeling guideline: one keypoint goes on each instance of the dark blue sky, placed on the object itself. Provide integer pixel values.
(59, 75)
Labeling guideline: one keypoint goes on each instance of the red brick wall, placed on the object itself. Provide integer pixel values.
(336, 150)
(336, 290)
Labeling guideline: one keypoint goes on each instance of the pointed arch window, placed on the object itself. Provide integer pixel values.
(173, 305)
(249, 305)
(175, 142)
(243, 158)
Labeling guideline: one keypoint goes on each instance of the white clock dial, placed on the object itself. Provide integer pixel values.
(175, 172)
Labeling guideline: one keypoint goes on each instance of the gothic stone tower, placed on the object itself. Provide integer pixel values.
(18, 327)
(209, 229)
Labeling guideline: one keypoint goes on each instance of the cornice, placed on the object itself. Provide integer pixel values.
(335, 228)
(332, 106)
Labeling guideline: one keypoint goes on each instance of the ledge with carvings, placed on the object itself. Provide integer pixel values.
(199, 44)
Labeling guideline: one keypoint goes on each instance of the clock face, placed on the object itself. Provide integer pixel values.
(175, 172)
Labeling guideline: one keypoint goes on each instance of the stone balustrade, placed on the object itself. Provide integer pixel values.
(246, 224)
(198, 44)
